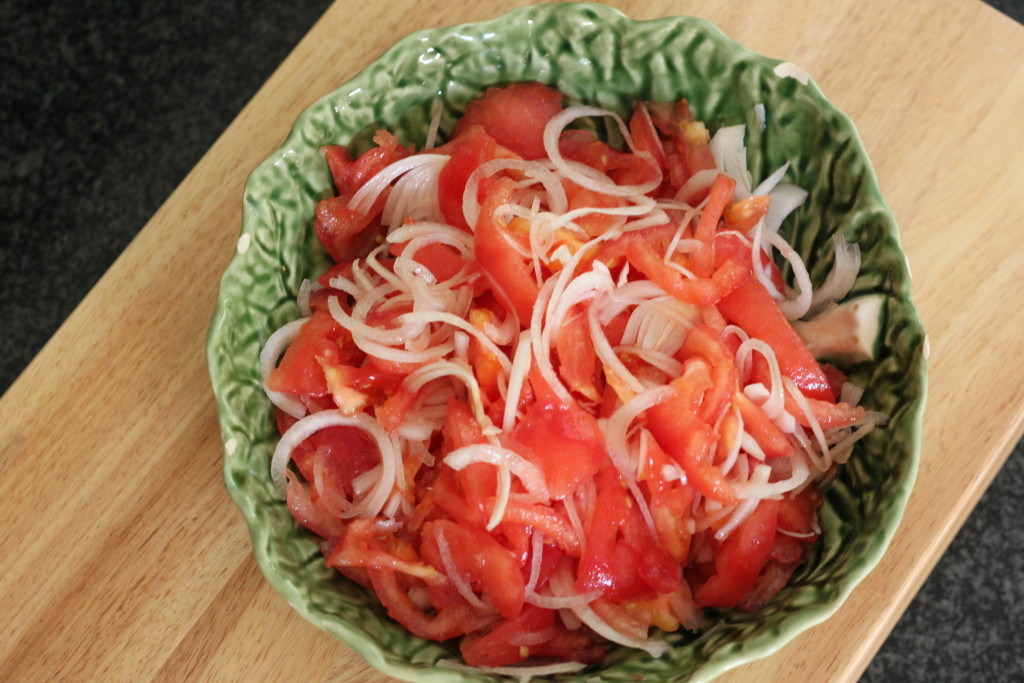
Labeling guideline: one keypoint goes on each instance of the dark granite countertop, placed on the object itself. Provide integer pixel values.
(106, 107)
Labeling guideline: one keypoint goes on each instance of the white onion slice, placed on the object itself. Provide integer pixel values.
(454, 575)
(784, 200)
(272, 351)
(528, 473)
(798, 306)
(585, 176)
(364, 197)
(730, 155)
(840, 278)
(371, 504)
(556, 199)
(819, 435)
(523, 673)
(561, 584)
(769, 183)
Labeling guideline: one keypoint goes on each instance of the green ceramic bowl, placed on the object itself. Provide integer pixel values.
(595, 55)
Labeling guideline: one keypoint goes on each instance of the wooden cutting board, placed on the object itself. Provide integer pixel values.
(124, 558)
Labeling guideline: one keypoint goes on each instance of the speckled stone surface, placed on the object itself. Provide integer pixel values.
(104, 107)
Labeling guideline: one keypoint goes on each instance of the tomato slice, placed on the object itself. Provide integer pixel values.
(622, 167)
(719, 197)
(564, 441)
(704, 342)
(595, 224)
(645, 138)
(301, 371)
(535, 633)
(689, 152)
(768, 436)
(701, 291)
(740, 558)
(450, 617)
(345, 233)
(507, 271)
(468, 151)
(481, 560)
(577, 360)
(515, 116)
(744, 214)
(676, 425)
(622, 558)
(751, 307)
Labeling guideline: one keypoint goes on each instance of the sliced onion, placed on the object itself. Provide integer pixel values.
(516, 380)
(371, 504)
(528, 473)
(582, 175)
(562, 584)
(840, 278)
(556, 199)
(769, 183)
(454, 575)
(435, 124)
(784, 200)
(730, 155)
(272, 351)
(362, 200)
(798, 396)
(798, 306)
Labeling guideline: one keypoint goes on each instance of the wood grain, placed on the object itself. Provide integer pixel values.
(140, 568)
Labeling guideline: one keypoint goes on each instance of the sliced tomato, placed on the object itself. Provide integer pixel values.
(744, 214)
(310, 515)
(645, 138)
(676, 424)
(301, 371)
(622, 167)
(703, 291)
(486, 364)
(443, 262)
(470, 149)
(542, 518)
(766, 433)
(577, 360)
(508, 272)
(595, 224)
(451, 616)
(515, 116)
(751, 307)
(364, 545)
(622, 558)
(798, 513)
(339, 161)
(563, 440)
(670, 504)
(535, 633)
(719, 197)
(391, 414)
(773, 578)
(689, 138)
(482, 561)
(344, 232)
(740, 558)
(828, 414)
(702, 341)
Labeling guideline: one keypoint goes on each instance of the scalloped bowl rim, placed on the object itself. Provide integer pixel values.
(763, 646)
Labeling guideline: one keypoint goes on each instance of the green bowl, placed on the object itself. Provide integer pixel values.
(595, 55)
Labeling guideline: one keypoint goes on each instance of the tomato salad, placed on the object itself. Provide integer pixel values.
(550, 396)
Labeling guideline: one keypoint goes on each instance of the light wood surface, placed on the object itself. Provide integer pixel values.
(124, 558)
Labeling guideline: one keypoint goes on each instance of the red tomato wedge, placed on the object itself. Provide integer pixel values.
(515, 116)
